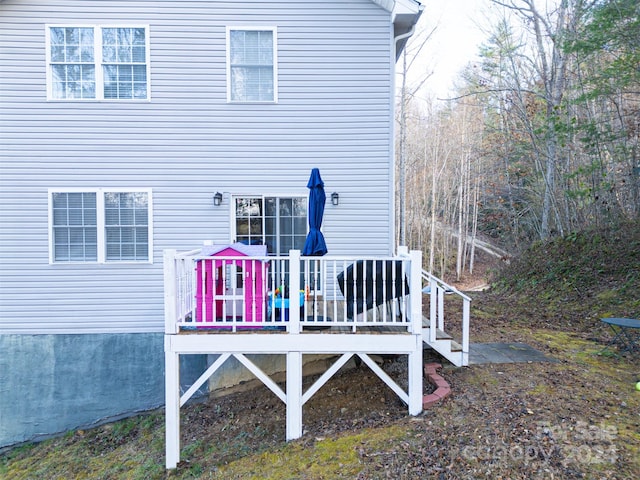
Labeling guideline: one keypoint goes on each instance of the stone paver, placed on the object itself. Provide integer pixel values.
(479, 354)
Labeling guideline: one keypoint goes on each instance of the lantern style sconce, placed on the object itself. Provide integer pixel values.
(217, 199)
(335, 198)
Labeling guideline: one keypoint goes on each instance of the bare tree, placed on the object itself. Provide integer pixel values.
(537, 142)
(409, 55)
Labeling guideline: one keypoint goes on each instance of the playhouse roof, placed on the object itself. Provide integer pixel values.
(235, 248)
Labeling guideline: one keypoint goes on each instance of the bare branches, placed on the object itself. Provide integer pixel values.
(537, 142)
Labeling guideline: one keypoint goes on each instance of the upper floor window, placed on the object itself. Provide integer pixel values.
(97, 63)
(100, 225)
(251, 64)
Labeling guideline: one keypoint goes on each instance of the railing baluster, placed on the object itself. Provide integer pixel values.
(294, 291)
(263, 285)
(337, 303)
(374, 292)
(433, 309)
(441, 307)
(323, 281)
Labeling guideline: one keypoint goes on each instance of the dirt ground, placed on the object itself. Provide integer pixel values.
(576, 418)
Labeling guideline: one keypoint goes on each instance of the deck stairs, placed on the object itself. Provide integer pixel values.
(434, 331)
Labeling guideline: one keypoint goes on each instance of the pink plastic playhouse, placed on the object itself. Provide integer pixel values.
(231, 286)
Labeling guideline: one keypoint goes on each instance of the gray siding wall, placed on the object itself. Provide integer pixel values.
(335, 89)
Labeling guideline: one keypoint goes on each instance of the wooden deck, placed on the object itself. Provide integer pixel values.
(363, 308)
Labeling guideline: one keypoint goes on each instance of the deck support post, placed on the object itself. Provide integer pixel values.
(415, 375)
(294, 395)
(172, 405)
(415, 379)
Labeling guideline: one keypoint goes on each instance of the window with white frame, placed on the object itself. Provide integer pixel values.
(97, 62)
(251, 64)
(278, 222)
(100, 226)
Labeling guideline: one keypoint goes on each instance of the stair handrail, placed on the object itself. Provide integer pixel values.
(438, 288)
(450, 288)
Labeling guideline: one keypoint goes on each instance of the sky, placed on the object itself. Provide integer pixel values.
(454, 43)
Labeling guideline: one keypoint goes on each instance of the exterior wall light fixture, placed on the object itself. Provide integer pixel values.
(217, 199)
(335, 198)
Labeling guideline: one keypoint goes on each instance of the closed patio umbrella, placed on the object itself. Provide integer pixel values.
(315, 244)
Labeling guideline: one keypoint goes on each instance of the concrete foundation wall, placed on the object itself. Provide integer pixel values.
(50, 384)
(53, 383)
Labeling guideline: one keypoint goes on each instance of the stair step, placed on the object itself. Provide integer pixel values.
(446, 346)
(441, 334)
(444, 336)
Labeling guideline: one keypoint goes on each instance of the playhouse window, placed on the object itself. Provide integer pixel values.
(97, 63)
(100, 226)
(278, 222)
(251, 64)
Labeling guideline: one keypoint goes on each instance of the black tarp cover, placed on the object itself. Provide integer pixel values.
(358, 287)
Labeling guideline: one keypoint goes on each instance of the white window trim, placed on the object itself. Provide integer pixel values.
(272, 29)
(97, 47)
(232, 216)
(100, 220)
(232, 208)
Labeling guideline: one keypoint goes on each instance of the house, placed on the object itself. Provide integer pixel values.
(131, 127)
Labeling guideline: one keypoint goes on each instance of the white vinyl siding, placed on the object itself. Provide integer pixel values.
(251, 64)
(100, 226)
(97, 62)
(333, 111)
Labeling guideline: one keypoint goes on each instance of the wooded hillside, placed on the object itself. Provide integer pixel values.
(541, 140)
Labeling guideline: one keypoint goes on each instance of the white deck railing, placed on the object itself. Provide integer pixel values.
(292, 295)
(291, 292)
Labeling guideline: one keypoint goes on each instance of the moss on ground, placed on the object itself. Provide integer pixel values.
(336, 458)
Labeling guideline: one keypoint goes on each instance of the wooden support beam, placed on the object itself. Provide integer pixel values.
(415, 379)
(263, 377)
(310, 343)
(294, 395)
(385, 377)
(337, 365)
(172, 407)
(204, 377)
